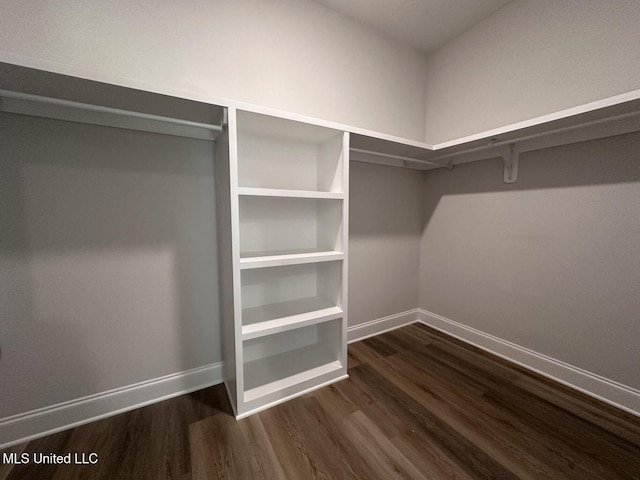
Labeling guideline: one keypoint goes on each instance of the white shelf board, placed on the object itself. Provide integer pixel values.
(276, 259)
(279, 317)
(598, 110)
(278, 372)
(277, 192)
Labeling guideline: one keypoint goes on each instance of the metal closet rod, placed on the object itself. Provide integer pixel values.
(398, 157)
(100, 109)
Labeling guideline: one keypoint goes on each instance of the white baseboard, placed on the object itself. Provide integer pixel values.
(381, 325)
(609, 391)
(45, 421)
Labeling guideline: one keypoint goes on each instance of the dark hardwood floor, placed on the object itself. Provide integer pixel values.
(417, 405)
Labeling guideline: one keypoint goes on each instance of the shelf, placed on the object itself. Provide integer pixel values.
(276, 192)
(289, 225)
(275, 153)
(275, 259)
(283, 316)
(278, 372)
(280, 298)
(289, 181)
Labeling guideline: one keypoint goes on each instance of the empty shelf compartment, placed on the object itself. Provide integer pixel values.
(272, 226)
(281, 361)
(283, 154)
(278, 296)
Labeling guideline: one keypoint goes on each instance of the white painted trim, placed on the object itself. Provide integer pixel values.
(611, 392)
(532, 122)
(64, 69)
(372, 328)
(55, 418)
(278, 192)
(128, 82)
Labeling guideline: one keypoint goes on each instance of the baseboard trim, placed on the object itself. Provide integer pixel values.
(45, 421)
(611, 392)
(381, 325)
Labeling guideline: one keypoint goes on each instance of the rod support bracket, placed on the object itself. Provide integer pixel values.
(511, 157)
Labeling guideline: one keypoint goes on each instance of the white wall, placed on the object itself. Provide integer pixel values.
(384, 239)
(550, 263)
(293, 55)
(532, 57)
(107, 259)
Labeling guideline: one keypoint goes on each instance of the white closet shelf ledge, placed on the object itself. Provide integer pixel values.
(283, 324)
(267, 260)
(277, 192)
(60, 109)
(612, 116)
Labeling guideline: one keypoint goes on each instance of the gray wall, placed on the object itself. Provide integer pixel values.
(108, 271)
(294, 55)
(550, 263)
(384, 239)
(532, 58)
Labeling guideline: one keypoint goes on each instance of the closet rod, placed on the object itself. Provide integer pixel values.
(495, 142)
(109, 110)
(398, 157)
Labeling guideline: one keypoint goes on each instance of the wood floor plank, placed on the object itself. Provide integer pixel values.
(52, 444)
(402, 340)
(467, 456)
(227, 460)
(334, 400)
(418, 331)
(5, 468)
(360, 352)
(503, 437)
(600, 453)
(378, 450)
(428, 458)
(260, 452)
(381, 345)
(388, 422)
(612, 419)
(418, 404)
(352, 361)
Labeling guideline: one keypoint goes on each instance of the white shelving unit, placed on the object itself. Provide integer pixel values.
(284, 193)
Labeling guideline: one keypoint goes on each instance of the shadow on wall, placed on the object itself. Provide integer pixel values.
(384, 240)
(551, 262)
(383, 201)
(599, 162)
(108, 269)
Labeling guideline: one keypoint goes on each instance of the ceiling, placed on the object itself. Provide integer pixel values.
(423, 24)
